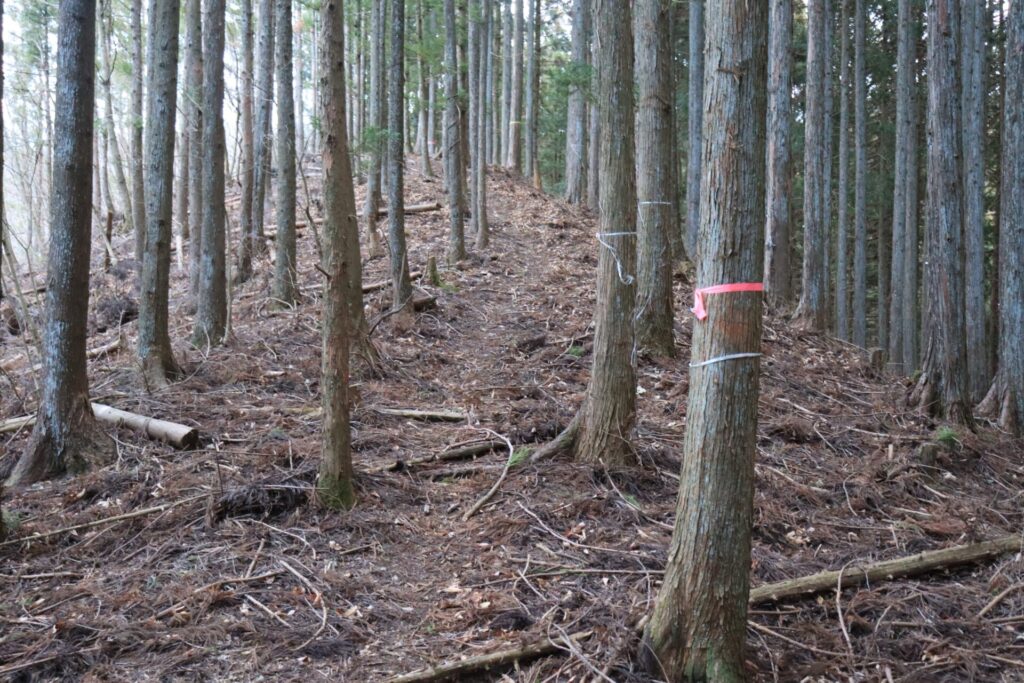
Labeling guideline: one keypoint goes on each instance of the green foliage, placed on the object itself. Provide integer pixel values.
(335, 493)
(518, 457)
(946, 437)
(575, 351)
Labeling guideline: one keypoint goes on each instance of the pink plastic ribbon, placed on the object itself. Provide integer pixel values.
(698, 295)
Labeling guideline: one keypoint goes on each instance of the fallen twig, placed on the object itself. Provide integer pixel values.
(492, 660)
(501, 478)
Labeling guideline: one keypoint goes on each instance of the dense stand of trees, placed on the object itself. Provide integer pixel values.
(725, 159)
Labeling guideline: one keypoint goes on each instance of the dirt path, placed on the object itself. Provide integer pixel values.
(246, 577)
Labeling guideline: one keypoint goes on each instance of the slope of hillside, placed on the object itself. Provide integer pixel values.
(221, 567)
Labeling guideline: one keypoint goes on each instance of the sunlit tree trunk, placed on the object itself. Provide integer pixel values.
(286, 289)
(138, 203)
(698, 629)
(212, 312)
(264, 113)
(656, 175)
(778, 277)
(904, 79)
(334, 483)
(247, 239)
(576, 124)
(452, 143)
(378, 126)
(401, 285)
(531, 161)
(812, 313)
(695, 101)
(515, 126)
(194, 112)
(483, 231)
(66, 437)
(154, 346)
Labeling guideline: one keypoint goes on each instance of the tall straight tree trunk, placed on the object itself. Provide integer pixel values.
(473, 92)
(904, 81)
(452, 142)
(492, 55)
(424, 96)
(264, 113)
(979, 370)
(860, 207)
(378, 126)
(247, 240)
(594, 132)
(3, 237)
(182, 184)
(843, 237)
(506, 77)
(66, 437)
(138, 203)
(812, 313)
(531, 165)
(942, 389)
(698, 629)
(656, 175)
(827, 152)
(778, 182)
(401, 284)
(334, 482)
(212, 312)
(154, 349)
(483, 231)
(515, 126)
(432, 116)
(106, 27)
(286, 289)
(299, 87)
(1006, 397)
(576, 124)
(911, 306)
(194, 112)
(695, 102)
(600, 433)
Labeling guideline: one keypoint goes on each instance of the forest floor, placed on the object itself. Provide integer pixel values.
(231, 571)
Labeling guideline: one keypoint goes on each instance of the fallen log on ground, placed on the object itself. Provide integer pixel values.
(451, 454)
(886, 570)
(428, 415)
(491, 660)
(179, 435)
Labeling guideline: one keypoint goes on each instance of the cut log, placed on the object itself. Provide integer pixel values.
(460, 453)
(478, 664)
(384, 284)
(427, 415)
(410, 210)
(887, 570)
(178, 435)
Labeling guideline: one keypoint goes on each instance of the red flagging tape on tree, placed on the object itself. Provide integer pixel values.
(698, 295)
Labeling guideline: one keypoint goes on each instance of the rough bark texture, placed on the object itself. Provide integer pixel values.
(158, 364)
(506, 76)
(531, 162)
(812, 313)
(473, 98)
(378, 126)
(194, 112)
(334, 483)
(452, 139)
(515, 125)
(576, 118)
(483, 230)
(594, 133)
(247, 239)
(424, 96)
(66, 437)
(904, 80)
(608, 414)
(138, 202)
(286, 288)
(1006, 398)
(212, 311)
(777, 253)
(979, 371)
(400, 282)
(264, 113)
(695, 104)
(826, 184)
(942, 388)
(860, 206)
(911, 297)
(843, 236)
(656, 176)
(698, 629)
